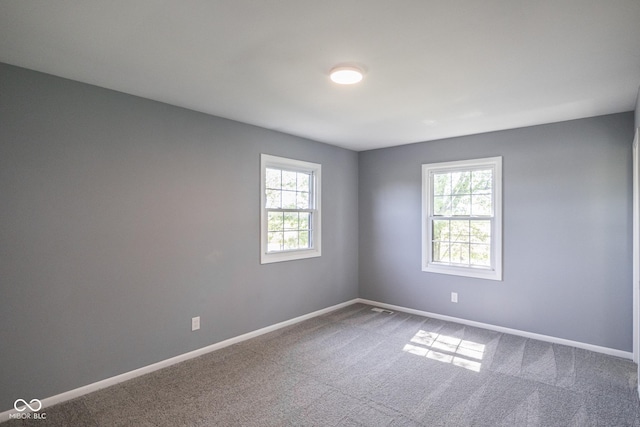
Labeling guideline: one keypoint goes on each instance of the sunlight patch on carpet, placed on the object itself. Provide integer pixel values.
(446, 349)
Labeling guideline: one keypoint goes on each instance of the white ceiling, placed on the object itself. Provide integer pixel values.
(434, 68)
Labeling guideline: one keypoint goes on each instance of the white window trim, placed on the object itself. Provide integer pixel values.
(495, 271)
(266, 161)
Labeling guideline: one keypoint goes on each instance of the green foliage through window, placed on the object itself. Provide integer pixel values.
(287, 195)
(464, 198)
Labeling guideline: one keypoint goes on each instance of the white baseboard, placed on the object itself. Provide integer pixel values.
(547, 338)
(89, 388)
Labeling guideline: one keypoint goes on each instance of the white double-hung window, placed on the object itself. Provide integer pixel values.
(462, 218)
(290, 209)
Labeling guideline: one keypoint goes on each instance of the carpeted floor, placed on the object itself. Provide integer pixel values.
(358, 367)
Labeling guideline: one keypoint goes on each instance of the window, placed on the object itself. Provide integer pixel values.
(290, 209)
(462, 218)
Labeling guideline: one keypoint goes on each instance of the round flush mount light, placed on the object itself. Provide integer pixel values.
(346, 75)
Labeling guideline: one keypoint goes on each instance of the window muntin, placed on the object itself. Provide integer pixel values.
(290, 209)
(462, 218)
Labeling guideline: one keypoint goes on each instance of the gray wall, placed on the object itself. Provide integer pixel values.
(121, 218)
(566, 231)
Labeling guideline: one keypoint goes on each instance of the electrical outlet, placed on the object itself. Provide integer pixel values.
(454, 297)
(195, 323)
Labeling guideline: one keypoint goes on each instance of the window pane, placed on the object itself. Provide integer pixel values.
(302, 200)
(288, 199)
(480, 231)
(460, 253)
(289, 180)
(480, 255)
(273, 179)
(459, 231)
(275, 241)
(481, 181)
(303, 237)
(291, 220)
(461, 182)
(481, 205)
(303, 182)
(441, 184)
(441, 230)
(441, 252)
(461, 205)
(273, 199)
(305, 220)
(275, 220)
(290, 240)
(442, 205)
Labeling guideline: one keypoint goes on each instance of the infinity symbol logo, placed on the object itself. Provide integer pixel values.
(36, 402)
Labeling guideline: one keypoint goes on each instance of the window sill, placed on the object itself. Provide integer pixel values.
(479, 273)
(268, 258)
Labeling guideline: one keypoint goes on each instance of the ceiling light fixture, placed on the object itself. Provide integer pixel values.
(346, 75)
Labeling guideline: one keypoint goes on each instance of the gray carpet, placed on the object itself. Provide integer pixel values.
(357, 367)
